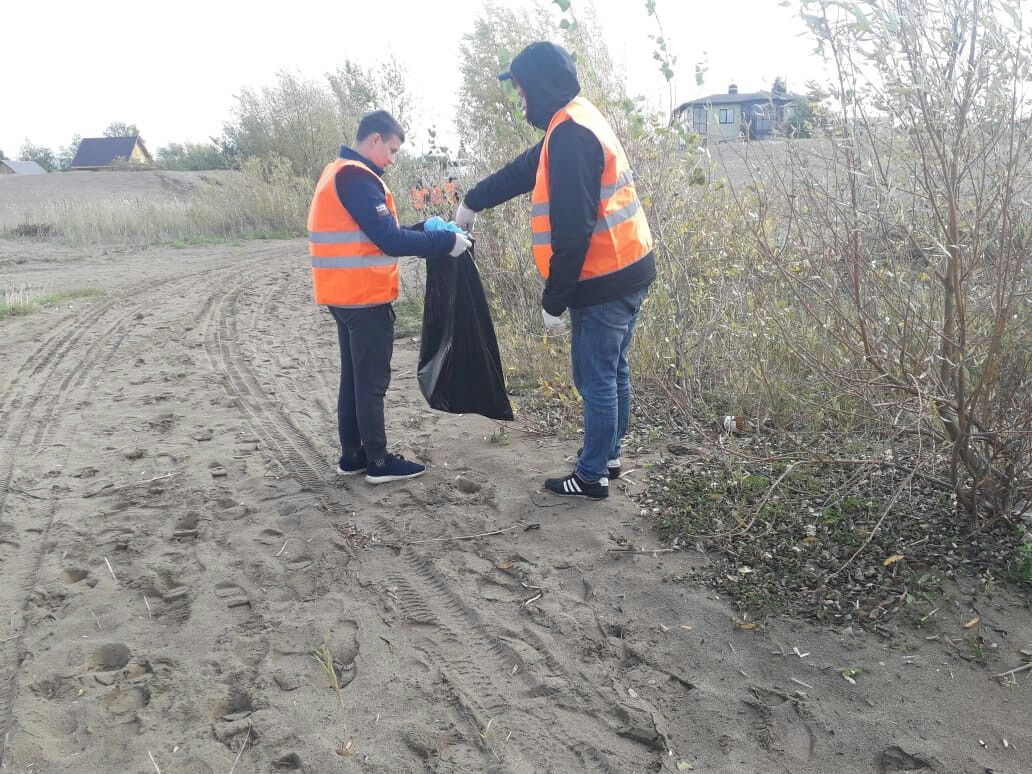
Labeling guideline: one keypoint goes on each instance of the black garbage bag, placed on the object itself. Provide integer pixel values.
(460, 370)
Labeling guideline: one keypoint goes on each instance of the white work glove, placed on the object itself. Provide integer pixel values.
(552, 324)
(465, 217)
(462, 244)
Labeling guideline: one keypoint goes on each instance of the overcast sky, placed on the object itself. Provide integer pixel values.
(173, 68)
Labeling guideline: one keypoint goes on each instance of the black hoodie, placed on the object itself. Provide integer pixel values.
(575, 163)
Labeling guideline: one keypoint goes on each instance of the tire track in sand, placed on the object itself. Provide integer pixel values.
(481, 668)
(30, 400)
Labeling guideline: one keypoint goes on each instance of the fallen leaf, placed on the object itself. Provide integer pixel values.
(847, 674)
(504, 565)
(684, 766)
(345, 750)
(973, 622)
(686, 627)
(893, 559)
(748, 626)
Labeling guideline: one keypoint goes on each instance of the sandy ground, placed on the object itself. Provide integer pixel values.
(174, 544)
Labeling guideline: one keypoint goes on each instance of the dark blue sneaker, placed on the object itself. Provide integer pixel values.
(393, 467)
(352, 464)
(575, 486)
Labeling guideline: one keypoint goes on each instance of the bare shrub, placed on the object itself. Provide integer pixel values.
(903, 236)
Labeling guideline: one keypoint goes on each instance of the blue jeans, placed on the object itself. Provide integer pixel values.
(601, 335)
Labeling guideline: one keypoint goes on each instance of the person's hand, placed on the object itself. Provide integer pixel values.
(553, 324)
(462, 244)
(464, 217)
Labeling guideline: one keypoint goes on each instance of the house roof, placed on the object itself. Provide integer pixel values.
(23, 167)
(101, 151)
(738, 99)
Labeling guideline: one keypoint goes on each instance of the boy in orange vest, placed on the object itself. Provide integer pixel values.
(354, 243)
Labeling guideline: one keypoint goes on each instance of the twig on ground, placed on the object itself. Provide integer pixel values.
(1016, 670)
(247, 738)
(551, 505)
(462, 537)
(153, 762)
(800, 682)
(27, 494)
(109, 490)
(110, 570)
(151, 617)
(881, 519)
(522, 429)
(640, 550)
(47, 448)
(756, 513)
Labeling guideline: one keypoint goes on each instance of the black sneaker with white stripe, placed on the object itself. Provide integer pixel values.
(575, 486)
(613, 465)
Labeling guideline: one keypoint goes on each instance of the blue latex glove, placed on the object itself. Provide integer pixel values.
(439, 224)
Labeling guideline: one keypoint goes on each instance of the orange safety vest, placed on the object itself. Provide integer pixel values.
(621, 234)
(418, 197)
(347, 268)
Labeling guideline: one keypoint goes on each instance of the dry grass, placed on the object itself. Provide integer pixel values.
(263, 200)
(324, 657)
(23, 299)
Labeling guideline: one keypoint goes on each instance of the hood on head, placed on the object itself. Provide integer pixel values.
(548, 77)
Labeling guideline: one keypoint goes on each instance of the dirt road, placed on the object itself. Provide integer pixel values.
(175, 544)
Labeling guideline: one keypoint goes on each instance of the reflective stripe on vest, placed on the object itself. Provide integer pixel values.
(348, 269)
(621, 234)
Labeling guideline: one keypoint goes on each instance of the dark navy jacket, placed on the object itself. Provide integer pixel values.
(365, 200)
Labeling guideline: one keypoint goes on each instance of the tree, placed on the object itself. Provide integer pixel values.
(119, 129)
(491, 124)
(355, 92)
(295, 119)
(67, 154)
(38, 153)
(306, 121)
(806, 118)
(2, 156)
(191, 157)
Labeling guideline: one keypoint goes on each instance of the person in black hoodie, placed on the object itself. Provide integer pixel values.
(591, 243)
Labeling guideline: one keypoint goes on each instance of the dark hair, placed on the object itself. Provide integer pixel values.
(379, 122)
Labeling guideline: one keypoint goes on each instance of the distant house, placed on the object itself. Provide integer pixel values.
(8, 167)
(756, 115)
(108, 152)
